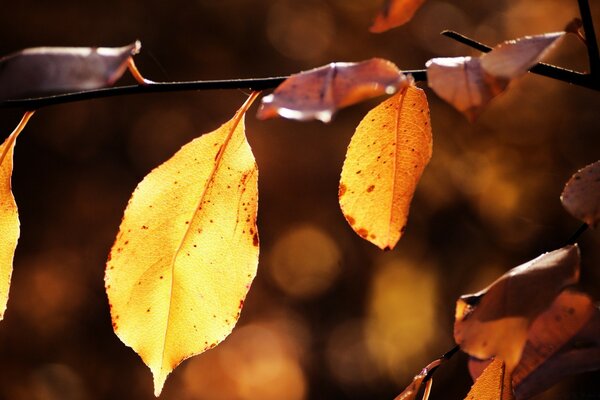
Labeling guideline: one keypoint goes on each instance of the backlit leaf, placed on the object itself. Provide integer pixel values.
(581, 195)
(564, 340)
(395, 13)
(44, 71)
(384, 162)
(320, 92)
(187, 250)
(469, 84)
(9, 216)
(495, 321)
(492, 384)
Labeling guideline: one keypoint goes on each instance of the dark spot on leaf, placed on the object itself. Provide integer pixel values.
(370, 188)
(342, 190)
(350, 219)
(363, 233)
(161, 277)
(358, 172)
(255, 239)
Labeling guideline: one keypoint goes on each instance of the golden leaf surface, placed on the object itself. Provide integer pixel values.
(395, 13)
(495, 321)
(187, 250)
(492, 384)
(9, 215)
(581, 195)
(320, 92)
(384, 162)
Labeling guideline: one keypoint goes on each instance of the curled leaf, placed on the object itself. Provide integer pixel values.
(187, 250)
(320, 92)
(492, 384)
(44, 71)
(384, 162)
(564, 340)
(9, 215)
(469, 84)
(395, 13)
(495, 321)
(581, 195)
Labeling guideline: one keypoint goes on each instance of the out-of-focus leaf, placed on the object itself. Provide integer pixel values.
(320, 92)
(469, 84)
(581, 195)
(384, 162)
(395, 13)
(462, 82)
(495, 321)
(42, 71)
(9, 215)
(492, 384)
(187, 250)
(513, 58)
(564, 340)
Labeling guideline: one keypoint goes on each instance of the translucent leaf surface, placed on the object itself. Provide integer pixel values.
(581, 195)
(320, 92)
(495, 322)
(384, 162)
(187, 250)
(43, 71)
(395, 13)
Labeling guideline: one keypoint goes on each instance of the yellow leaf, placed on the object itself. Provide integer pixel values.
(9, 216)
(385, 160)
(395, 13)
(492, 384)
(187, 250)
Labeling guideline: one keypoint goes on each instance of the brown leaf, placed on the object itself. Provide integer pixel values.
(492, 384)
(469, 84)
(384, 162)
(411, 391)
(495, 321)
(581, 195)
(564, 340)
(320, 92)
(395, 13)
(44, 71)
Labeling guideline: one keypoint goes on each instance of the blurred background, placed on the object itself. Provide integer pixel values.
(329, 316)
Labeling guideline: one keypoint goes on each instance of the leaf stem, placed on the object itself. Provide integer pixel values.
(575, 236)
(551, 71)
(13, 136)
(253, 84)
(590, 37)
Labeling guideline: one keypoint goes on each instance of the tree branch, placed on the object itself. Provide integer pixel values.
(590, 37)
(253, 84)
(550, 71)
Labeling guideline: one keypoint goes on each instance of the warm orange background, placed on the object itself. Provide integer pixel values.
(329, 315)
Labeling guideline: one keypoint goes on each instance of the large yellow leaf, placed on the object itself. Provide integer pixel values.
(187, 250)
(9, 216)
(385, 160)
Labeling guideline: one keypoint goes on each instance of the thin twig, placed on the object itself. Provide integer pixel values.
(550, 71)
(590, 37)
(575, 236)
(436, 364)
(254, 84)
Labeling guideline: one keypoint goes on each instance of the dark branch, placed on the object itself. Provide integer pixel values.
(550, 71)
(590, 37)
(575, 236)
(159, 87)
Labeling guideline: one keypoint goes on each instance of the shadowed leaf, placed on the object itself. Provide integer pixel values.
(581, 195)
(495, 322)
(320, 92)
(43, 71)
(384, 162)
(395, 13)
(187, 250)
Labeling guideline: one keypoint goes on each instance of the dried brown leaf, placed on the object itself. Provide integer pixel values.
(320, 92)
(581, 195)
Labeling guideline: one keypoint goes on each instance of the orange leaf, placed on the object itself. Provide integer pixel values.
(9, 216)
(395, 13)
(187, 250)
(385, 160)
(469, 84)
(581, 195)
(42, 71)
(492, 384)
(562, 341)
(320, 92)
(495, 322)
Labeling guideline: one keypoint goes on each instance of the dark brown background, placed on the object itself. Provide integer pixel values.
(329, 315)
